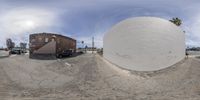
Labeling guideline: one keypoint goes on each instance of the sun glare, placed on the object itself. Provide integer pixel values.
(29, 23)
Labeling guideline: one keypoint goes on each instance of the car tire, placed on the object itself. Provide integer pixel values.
(60, 56)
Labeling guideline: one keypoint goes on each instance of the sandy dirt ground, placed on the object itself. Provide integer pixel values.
(90, 77)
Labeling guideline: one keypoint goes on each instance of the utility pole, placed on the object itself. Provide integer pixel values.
(92, 44)
(82, 42)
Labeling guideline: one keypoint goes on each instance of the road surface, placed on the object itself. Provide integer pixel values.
(90, 77)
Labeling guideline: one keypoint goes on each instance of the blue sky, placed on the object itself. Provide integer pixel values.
(82, 19)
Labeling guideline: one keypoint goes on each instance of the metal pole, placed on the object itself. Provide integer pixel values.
(92, 44)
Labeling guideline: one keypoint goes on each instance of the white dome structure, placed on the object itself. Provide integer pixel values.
(144, 44)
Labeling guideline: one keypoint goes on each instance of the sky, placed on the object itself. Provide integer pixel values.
(84, 19)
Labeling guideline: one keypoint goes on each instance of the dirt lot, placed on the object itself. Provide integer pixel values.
(90, 77)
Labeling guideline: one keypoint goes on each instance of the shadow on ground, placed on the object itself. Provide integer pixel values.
(50, 56)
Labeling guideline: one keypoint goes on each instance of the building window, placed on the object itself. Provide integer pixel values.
(33, 40)
(52, 40)
(40, 39)
(46, 40)
(58, 41)
(73, 44)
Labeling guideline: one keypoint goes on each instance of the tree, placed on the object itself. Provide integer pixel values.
(176, 21)
(10, 44)
(23, 45)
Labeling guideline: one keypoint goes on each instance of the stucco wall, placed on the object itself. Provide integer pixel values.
(4, 53)
(144, 44)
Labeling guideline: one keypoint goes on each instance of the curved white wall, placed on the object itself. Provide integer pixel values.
(4, 53)
(144, 44)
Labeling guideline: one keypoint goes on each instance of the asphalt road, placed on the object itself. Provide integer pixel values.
(90, 77)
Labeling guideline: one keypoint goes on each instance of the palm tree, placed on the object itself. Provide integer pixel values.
(176, 21)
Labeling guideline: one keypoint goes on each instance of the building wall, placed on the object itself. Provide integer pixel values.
(144, 44)
(65, 43)
(39, 40)
(49, 48)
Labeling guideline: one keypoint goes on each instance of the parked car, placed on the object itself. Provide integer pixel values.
(80, 52)
(65, 53)
(23, 51)
(15, 51)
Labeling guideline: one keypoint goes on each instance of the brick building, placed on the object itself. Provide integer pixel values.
(50, 44)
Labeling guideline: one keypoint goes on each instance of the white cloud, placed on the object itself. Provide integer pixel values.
(192, 29)
(18, 23)
(102, 14)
